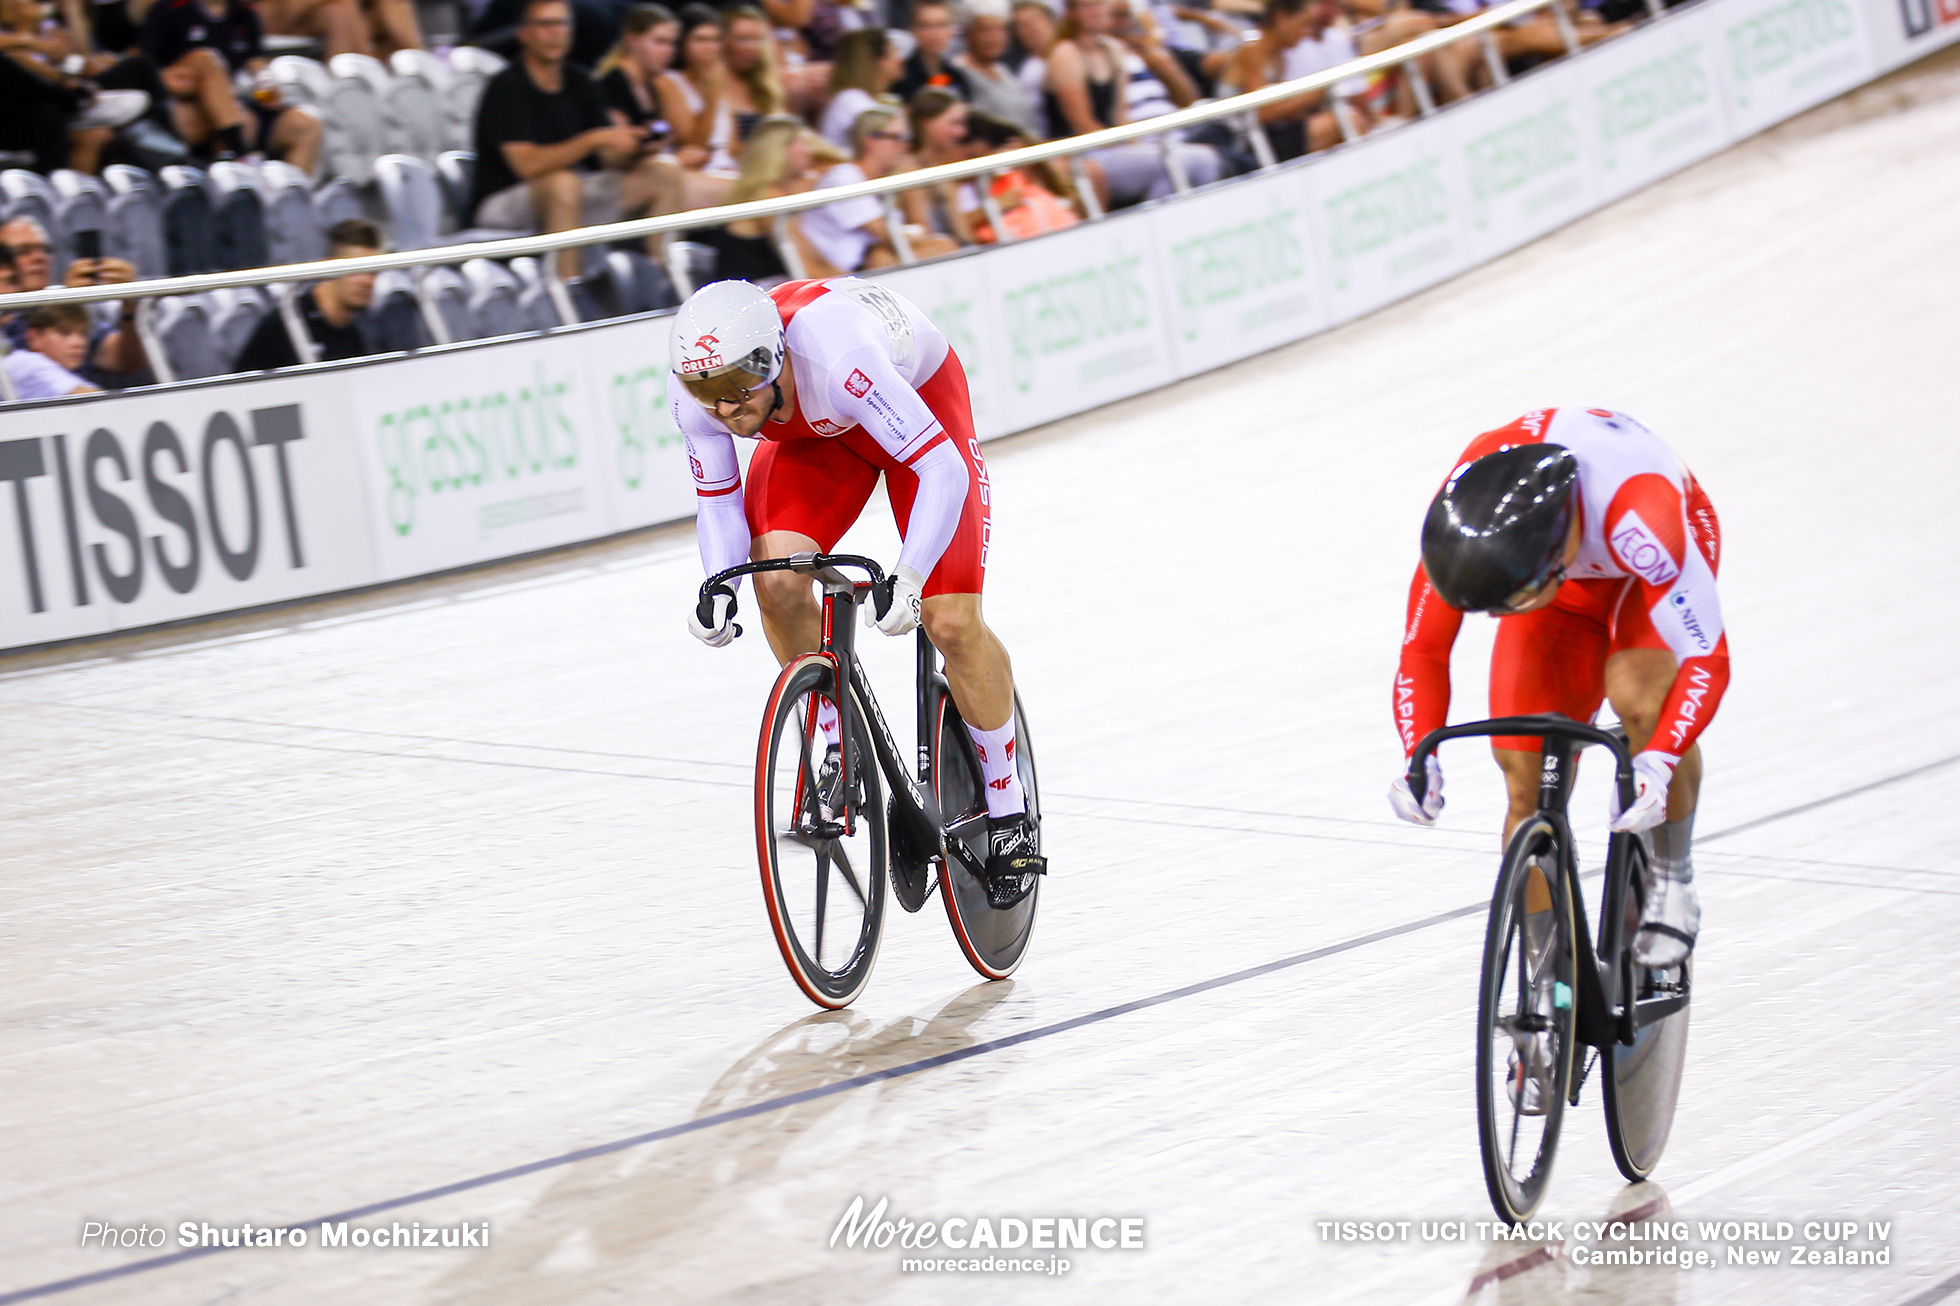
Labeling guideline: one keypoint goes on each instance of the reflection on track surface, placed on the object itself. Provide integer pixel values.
(440, 904)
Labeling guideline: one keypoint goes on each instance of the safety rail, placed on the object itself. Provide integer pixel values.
(1243, 108)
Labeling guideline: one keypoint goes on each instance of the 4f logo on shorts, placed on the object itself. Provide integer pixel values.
(858, 384)
(1642, 554)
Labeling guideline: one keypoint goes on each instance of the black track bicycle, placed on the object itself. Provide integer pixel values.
(1546, 992)
(828, 838)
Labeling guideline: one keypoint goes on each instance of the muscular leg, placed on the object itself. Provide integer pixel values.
(791, 616)
(556, 199)
(977, 669)
(1637, 684)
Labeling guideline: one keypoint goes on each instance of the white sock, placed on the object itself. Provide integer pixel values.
(997, 768)
(833, 732)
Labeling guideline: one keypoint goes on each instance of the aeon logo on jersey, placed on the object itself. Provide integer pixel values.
(858, 384)
(1640, 553)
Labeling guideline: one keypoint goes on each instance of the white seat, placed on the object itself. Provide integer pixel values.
(238, 215)
(421, 66)
(132, 229)
(469, 68)
(292, 228)
(188, 236)
(493, 291)
(234, 315)
(690, 264)
(356, 123)
(418, 121)
(443, 290)
(456, 171)
(413, 200)
(364, 68)
(337, 200)
(300, 80)
(81, 204)
(190, 347)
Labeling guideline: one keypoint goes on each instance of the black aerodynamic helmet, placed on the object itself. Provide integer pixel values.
(1498, 526)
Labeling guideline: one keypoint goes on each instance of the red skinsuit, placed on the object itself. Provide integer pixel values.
(1638, 582)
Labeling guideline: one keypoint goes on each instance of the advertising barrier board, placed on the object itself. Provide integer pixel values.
(134, 510)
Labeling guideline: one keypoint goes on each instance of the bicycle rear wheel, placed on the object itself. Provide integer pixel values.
(1643, 1081)
(1526, 1020)
(994, 939)
(820, 838)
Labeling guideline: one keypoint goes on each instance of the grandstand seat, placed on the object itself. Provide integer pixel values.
(493, 290)
(25, 194)
(188, 241)
(190, 347)
(412, 199)
(300, 80)
(352, 114)
(469, 68)
(292, 228)
(394, 315)
(689, 264)
(444, 294)
(234, 314)
(418, 118)
(634, 283)
(133, 229)
(81, 204)
(456, 171)
(534, 303)
(335, 201)
(238, 217)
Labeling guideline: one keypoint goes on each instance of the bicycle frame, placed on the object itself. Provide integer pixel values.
(1605, 1017)
(915, 805)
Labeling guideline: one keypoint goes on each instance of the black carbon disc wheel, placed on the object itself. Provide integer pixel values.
(821, 841)
(994, 939)
(1643, 1081)
(1526, 1021)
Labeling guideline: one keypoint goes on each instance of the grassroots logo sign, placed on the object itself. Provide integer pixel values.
(231, 485)
(1649, 96)
(471, 442)
(1386, 212)
(637, 401)
(1261, 256)
(1780, 40)
(1520, 153)
(1073, 311)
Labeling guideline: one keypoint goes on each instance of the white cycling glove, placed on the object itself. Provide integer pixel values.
(723, 631)
(903, 615)
(1403, 799)
(1652, 773)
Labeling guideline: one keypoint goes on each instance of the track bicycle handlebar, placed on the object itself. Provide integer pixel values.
(807, 563)
(1547, 725)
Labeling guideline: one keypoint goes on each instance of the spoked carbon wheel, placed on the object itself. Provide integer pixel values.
(820, 839)
(994, 939)
(1645, 1078)
(1526, 1021)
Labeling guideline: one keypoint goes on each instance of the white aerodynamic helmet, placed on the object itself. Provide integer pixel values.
(728, 339)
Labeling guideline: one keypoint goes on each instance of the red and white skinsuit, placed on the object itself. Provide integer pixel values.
(1644, 578)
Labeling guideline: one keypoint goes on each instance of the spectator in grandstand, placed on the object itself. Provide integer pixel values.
(1156, 83)
(339, 25)
(1030, 199)
(865, 65)
(549, 157)
(1088, 91)
(56, 109)
(1299, 124)
(114, 355)
(931, 62)
(632, 75)
(201, 45)
(753, 89)
(701, 123)
(851, 235)
(329, 310)
(993, 87)
(779, 159)
(947, 209)
(1032, 24)
(9, 284)
(48, 363)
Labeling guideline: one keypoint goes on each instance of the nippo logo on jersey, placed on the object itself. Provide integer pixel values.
(858, 384)
(1641, 553)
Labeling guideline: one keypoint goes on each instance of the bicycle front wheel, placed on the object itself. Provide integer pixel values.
(994, 939)
(1526, 1020)
(820, 837)
(1644, 1079)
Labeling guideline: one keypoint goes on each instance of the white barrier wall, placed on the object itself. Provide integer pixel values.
(132, 511)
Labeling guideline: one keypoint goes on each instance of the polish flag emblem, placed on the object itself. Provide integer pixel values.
(858, 384)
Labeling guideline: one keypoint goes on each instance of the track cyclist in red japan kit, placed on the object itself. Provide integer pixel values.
(842, 380)
(1597, 550)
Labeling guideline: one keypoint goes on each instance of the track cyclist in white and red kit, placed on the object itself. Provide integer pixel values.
(843, 381)
(1597, 550)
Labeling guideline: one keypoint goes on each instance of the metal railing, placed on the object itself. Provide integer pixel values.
(1243, 109)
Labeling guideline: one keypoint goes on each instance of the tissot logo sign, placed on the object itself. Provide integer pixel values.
(1924, 16)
